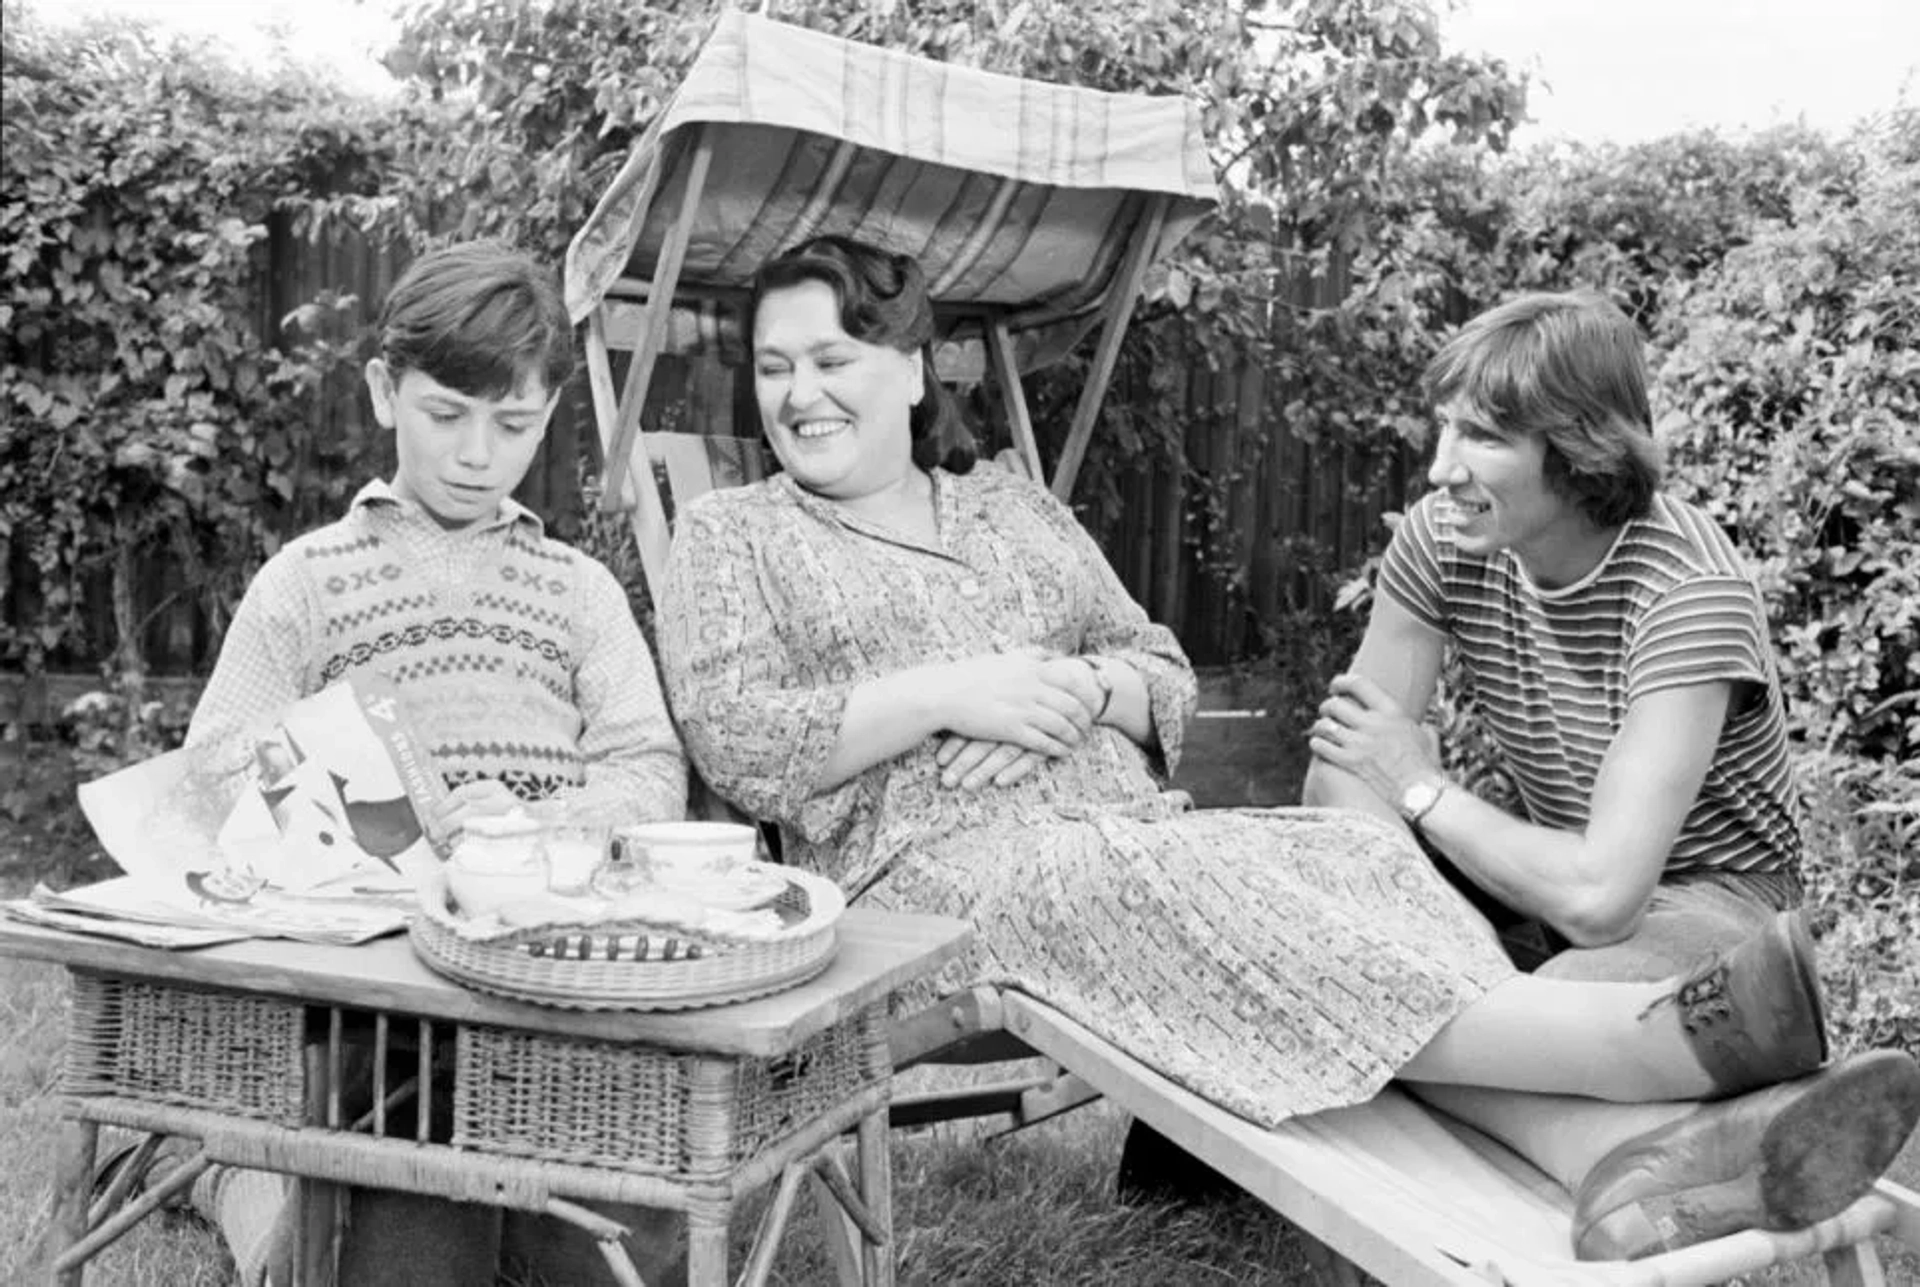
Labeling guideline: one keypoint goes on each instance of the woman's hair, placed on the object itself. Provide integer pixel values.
(478, 317)
(1570, 369)
(883, 300)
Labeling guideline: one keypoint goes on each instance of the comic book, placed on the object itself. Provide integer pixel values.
(321, 834)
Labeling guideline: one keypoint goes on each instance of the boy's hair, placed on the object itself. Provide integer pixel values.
(883, 300)
(478, 317)
(1570, 369)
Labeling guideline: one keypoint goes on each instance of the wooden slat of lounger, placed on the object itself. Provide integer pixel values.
(689, 470)
(1413, 1201)
(1361, 1209)
(1402, 1148)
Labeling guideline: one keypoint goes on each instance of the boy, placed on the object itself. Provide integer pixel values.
(517, 659)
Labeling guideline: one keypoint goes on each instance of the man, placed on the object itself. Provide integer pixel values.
(1619, 653)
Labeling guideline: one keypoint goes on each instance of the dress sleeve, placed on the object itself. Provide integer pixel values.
(1705, 630)
(632, 759)
(1410, 569)
(1118, 627)
(758, 728)
(263, 668)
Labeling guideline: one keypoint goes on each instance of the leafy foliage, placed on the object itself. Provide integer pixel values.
(145, 408)
(1790, 396)
(41, 770)
(1863, 882)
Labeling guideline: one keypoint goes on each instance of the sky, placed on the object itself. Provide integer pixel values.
(344, 35)
(1627, 70)
(1623, 70)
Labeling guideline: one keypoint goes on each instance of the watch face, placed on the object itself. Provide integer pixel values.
(1418, 798)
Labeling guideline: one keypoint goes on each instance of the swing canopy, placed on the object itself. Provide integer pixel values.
(1019, 198)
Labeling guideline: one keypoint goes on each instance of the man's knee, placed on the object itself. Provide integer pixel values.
(1686, 922)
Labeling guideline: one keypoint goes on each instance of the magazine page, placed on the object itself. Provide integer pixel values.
(336, 799)
(322, 837)
(43, 908)
(211, 902)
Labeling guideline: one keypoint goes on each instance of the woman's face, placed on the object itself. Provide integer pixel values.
(835, 408)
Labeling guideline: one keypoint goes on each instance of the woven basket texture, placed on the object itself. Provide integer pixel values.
(637, 1108)
(554, 967)
(231, 1054)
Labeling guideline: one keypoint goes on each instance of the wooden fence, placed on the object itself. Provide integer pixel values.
(1286, 513)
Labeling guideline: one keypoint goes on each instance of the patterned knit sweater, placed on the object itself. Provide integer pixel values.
(516, 657)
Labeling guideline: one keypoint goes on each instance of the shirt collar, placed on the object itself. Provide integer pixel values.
(379, 494)
(945, 501)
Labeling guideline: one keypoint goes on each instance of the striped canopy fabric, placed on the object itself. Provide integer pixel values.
(1016, 196)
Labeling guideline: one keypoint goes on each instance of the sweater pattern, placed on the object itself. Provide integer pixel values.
(486, 658)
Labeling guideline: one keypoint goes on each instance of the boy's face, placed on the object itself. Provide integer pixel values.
(459, 456)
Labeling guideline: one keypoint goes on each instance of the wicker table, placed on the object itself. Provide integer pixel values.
(243, 1047)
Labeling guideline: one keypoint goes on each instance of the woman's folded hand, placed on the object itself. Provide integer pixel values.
(1026, 699)
(967, 763)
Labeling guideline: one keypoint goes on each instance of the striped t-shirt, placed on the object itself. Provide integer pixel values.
(1554, 671)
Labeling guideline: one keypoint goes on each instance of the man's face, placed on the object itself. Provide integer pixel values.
(1497, 490)
(459, 456)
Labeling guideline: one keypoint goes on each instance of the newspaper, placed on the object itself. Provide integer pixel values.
(322, 838)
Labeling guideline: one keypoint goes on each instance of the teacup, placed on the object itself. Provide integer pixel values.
(679, 853)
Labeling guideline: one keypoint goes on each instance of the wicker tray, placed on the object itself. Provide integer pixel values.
(633, 966)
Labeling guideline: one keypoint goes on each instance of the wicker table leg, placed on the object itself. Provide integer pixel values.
(707, 1246)
(773, 1225)
(876, 1189)
(320, 1206)
(607, 1234)
(72, 1188)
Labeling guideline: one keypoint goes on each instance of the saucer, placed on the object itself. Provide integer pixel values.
(750, 885)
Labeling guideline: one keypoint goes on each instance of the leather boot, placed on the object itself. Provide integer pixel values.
(1754, 1015)
(1781, 1158)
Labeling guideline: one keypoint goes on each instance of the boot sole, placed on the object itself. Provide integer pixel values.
(1828, 1147)
(1819, 1154)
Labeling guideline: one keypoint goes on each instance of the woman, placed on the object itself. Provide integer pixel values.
(933, 681)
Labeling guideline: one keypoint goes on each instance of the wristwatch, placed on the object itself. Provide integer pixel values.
(1417, 801)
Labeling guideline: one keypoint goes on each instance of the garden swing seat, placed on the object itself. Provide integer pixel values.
(1036, 211)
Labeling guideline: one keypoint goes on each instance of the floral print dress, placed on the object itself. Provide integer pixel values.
(1277, 961)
